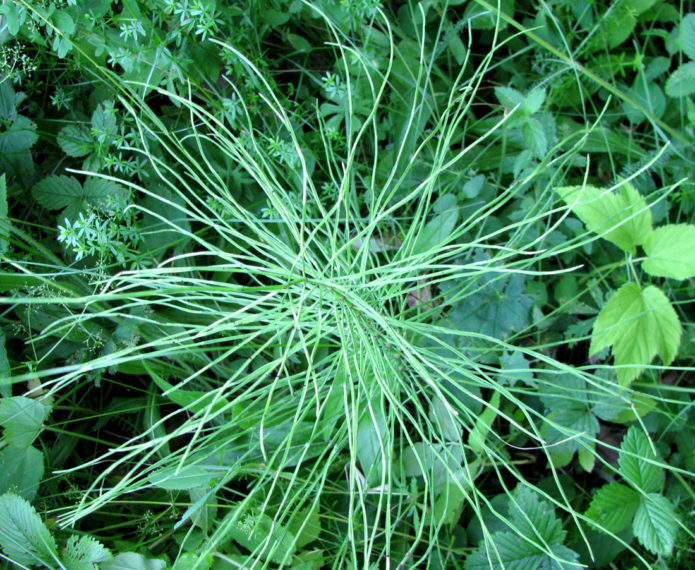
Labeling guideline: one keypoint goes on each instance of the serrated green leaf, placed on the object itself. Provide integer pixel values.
(686, 36)
(23, 536)
(75, 141)
(613, 507)
(133, 561)
(183, 479)
(84, 552)
(534, 136)
(534, 100)
(671, 252)
(22, 419)
(655, 524)
(508, 551)
(535, 518)
(681, 82)
(56, 192)
(578, 424)
(603, 211)
(639, 324)
(21, 470)
(636, 455)
(509, 97)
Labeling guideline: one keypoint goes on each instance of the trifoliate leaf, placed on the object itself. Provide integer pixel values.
(613, 507)
(22, 419)
(671, 252)
(655, 524)
(639, 323)
(681, 82)
(23, 536)
(21, 470)
(84, 552)
(56, 192)
(635, 461)
(131, 561)
(623, 218)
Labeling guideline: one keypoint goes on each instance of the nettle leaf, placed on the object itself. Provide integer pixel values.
(23, 536)
(656, 524)
(22, 419)
(635, 458)
(509, 97)
(613, 507)
(623, 218)
(671, 252)
(639, 323)
(681, 82)
(84, 552)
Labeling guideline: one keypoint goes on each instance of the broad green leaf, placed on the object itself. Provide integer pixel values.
(497, 308)
(578, 424)
(373, 445)
(509, 97)
(636, 455)
(681, 82)
(649, 96)
(133, 561)
(686, 36)
(75, 141)
(534, 136)
(259, 534)
(22, 419)
(534, 100)
(507, 551)
(613, 507)
(183, 479)
(515, 367)
(639, 323)
(190, 561)
(306, 526)
(84, 553)
(193, 400)
(21, 470)
(535, 518)
(623, 218)
(655, 524)
(476, 438)
(23, 536)
(671, 252)
(436, 231)
(442, 416)
(434, 462)
(203, 509)
(56, 192)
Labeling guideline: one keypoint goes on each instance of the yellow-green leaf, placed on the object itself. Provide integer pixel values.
(623, 218)
(671, 252)
(639, 323)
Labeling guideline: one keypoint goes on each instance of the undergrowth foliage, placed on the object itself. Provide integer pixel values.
(338, 368)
